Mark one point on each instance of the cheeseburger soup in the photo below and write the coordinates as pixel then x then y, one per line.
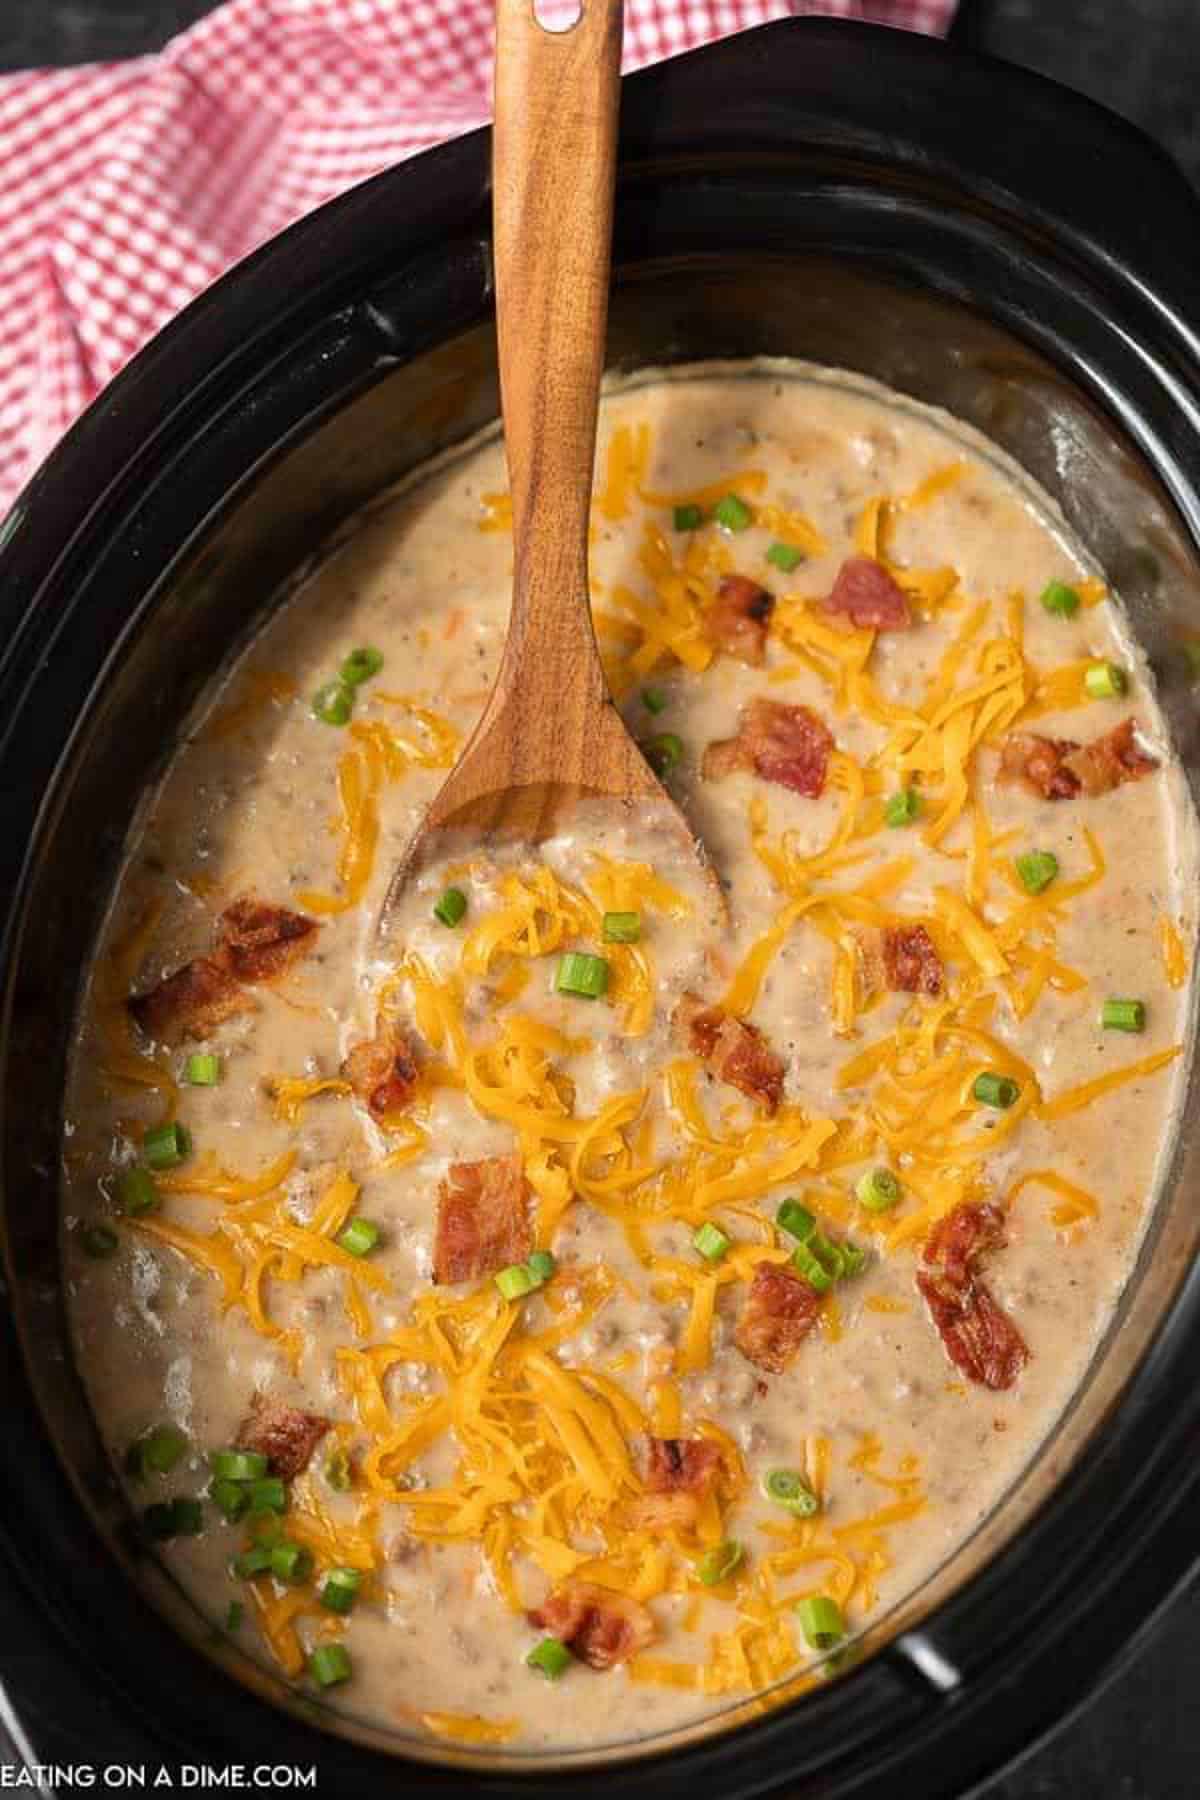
pixel 578 1293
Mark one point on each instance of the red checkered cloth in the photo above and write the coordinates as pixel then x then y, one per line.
pixel 125 188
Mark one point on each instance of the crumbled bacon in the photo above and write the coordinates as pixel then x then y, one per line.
pixel 1059 768
pixel 979 1336
pixel 779 1312
pixel 682 1465
pixel 602 1627
pixel 256 942
pixel 1110 760
pixel 735 1051
pixel 264 940
pixel 786 744
pixel 869 596
pixel 911 963
pixel 191 1002
pixel 382 1070
pixel 483 1219
pixel 284 1434
pixel 663 1512
pixel 737 620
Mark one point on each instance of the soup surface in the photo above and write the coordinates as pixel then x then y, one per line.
pixel 572 1273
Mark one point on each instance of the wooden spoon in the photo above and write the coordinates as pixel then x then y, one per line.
pixel 550 734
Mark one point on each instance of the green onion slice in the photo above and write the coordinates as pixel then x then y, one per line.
pixel 813 1270
pixel 333 703
pixel 878 1190
pixel 1036 869
pixel 451 907
pixel 291 1562
pixel 732 513
pixel 166 1146
pixel 903 808
pixel 785 557
pixel 252 1562
pixel 821 1622
pixel 268 1495
pixel 623 927
pixel 788 1488
pixel 718 1564
pixel 340 1590
pixel 688 518
pixel 550 1658
pixel 991 1089
pixel 329 1664
pixel 137 1192
pixel 238 1465
pixel 795 1219
pixel 1104 680
pixel 1123 1015
pixel 162 1448
pixel 98 1241
pixel 541 1266
pixel 582 974
pixel 359 1237
pixel 663 752
pixel 360 665
pixel 710 1241
pixel 230 1498
pixel 182 1517
pixel 235 1615
pixel 654 700
pixel 203 1070
pixel 1058 598
pixel 338 1472
pixel 515 1281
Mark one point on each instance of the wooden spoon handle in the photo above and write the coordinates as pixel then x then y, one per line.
pixel 554 154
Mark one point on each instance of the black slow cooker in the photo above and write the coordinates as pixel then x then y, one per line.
pixel 967 233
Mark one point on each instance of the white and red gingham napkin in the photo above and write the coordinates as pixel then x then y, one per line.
pixel 125 188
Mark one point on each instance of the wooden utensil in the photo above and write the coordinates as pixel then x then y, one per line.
pixel 550 734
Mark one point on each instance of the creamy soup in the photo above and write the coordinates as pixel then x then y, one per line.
pixel 572 1290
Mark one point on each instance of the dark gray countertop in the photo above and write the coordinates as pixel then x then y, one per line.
pixel 1139 1739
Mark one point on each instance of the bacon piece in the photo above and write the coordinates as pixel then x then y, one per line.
pixel 780 1311
pixel 911 963
pixel 868 596
pixel 191 1002
pixel 735 1051
pixel 737 620
pixel 979 1336
pixel 786 744
pixel 264 940
pixel 1109 761
pixel 1040 762
pixel 382 1070
pixel 284 1434
pixel 682 1465
pixel 602 1627
pixel 483 1219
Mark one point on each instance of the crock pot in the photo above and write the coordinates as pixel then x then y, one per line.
pixel 965 232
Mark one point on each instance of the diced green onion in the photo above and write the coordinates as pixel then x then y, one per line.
pixel 663 752
pixel 137 1192
pixel 623 927
pixel 252 1562
pixel 718 1564
pixel 821 1622
pixel 688 518
pixel 995 1090
pixel 1036 869
pixel 98 1241
pixel 710 1241
pixel 203 1070
pixel 182 1517
pixel 359 1237
pixel 831 1256
pixel 788 1488
pixel 235 1615
pixel 162 1448
pixel 582 974
pixel 338 1471
pixel 878 1190
pixel 165 1146
pixel 902 808
pixel 329 1664
pixel 1123 1015
pixel 785 557
pixel 1104 680
pixel 230 1498
pixel 1057 597
pixel 291 1562
pixel 854 1259
pixel 360 665
pixel 515 1281
pixel 268 1495
pixel 238 1465
pixel 550 1658
pixel 813 1271
pixel 654 700
pixel 451 908
pixel 541 1266
pixel 732 513
pixel 795 1219
pixel 333 703
pixel 340 1590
